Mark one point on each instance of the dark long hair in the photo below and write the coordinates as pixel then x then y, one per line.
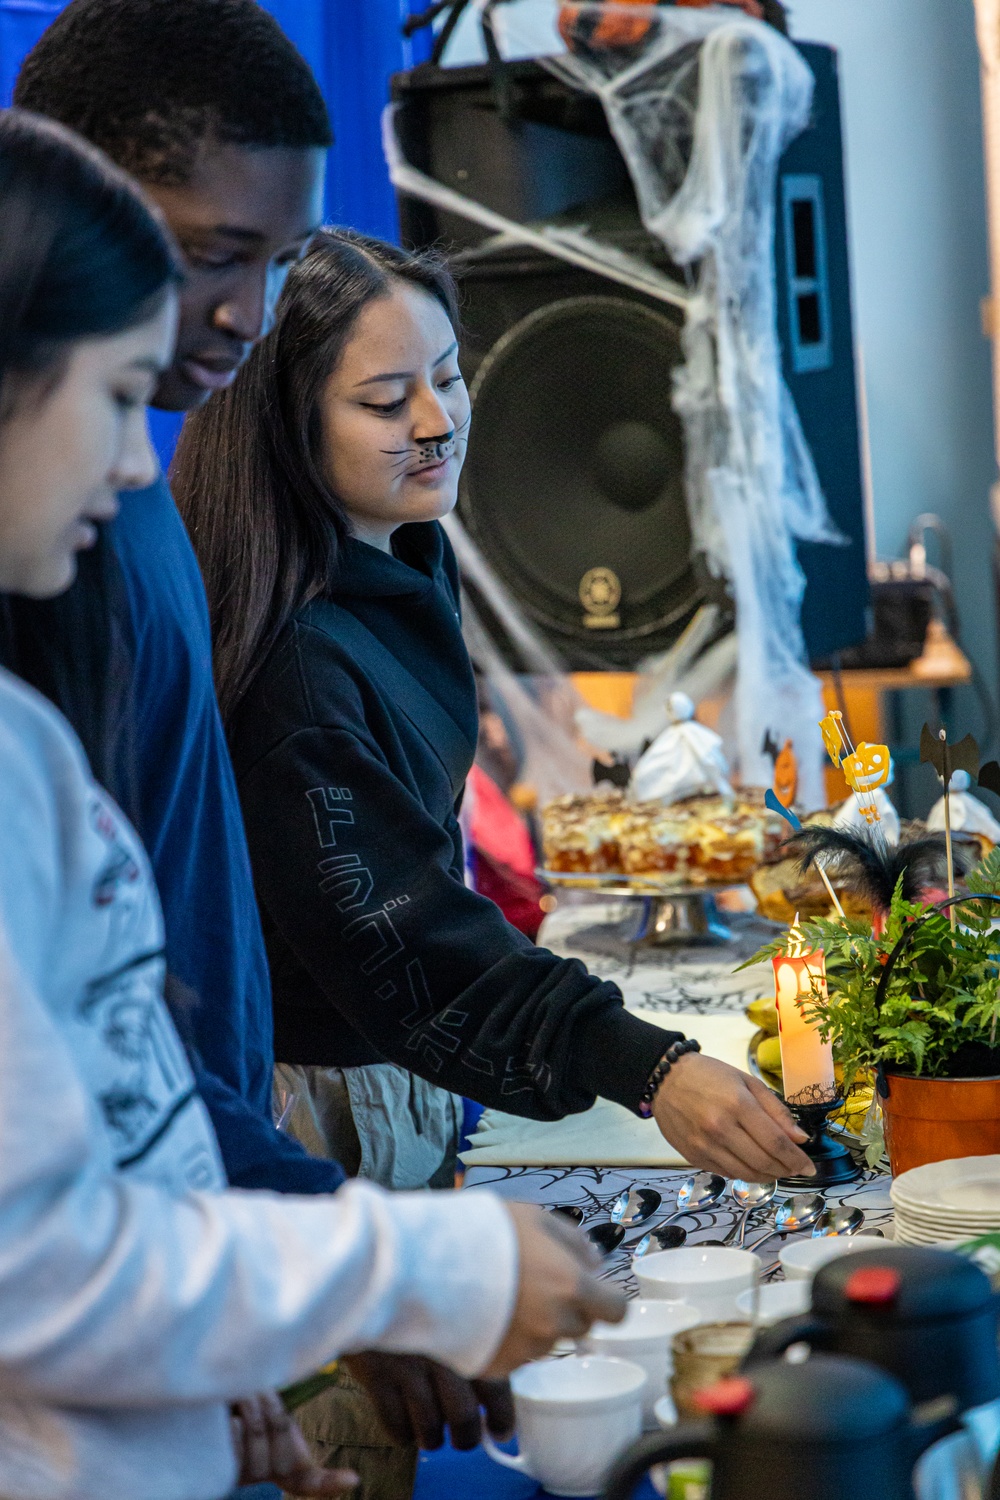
pixel 248 474
pixel 81 256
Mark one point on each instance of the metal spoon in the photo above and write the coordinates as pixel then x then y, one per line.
pixel 751 1195
pixel 702 1190
pixel 699 1191
pixel 569 1211
pixel 695 1193
pixel 795 1214
pixel 838 1219
pixel 666 1237
pixel 607 1237
pixel 634 1206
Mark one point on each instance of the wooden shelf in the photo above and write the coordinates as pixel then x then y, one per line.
pixel 942 665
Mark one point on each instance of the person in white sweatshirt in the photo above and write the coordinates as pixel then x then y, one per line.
pixel 139 1297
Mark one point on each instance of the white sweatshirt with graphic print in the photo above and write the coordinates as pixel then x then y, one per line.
pixel 138 1295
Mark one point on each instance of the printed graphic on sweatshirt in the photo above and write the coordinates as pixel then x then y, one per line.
pixel 328 810
pixel 373 938
pixel 132 1056
pixel 121 1032
pixel 120 892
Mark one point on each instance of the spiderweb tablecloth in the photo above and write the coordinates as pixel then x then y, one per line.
pixel 594 1189
pixel 692 979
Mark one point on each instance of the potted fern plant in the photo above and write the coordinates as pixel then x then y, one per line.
pixel 914 999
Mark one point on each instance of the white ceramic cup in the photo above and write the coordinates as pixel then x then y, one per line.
pixel 644 1337
pixel 574 1417
pixel 802 1258
pixel 709 1277
pixel 774 1300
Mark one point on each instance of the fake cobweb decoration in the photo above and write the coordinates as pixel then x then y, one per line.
pixel 702 106
pixel 702 110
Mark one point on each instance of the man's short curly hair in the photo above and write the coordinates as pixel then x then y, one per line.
pixel 150 81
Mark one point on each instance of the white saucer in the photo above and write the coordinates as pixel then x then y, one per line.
pixel 966 1187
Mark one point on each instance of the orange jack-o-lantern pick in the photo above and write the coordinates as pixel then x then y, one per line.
pixel 786 775
pixel 833 735
pixel 867 768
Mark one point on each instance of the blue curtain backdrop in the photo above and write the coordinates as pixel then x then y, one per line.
pixel 352 46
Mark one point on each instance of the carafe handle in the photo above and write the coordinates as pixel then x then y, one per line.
pixel 771 1343
pixel 694 1440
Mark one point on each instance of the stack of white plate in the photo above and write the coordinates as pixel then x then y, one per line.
pixel 947 1202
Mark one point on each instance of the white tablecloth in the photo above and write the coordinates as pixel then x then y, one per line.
pixel 690 989
pixel 607 1135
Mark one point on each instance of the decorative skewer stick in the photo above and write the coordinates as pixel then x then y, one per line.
pixel 946 773
pixel 771 801
pixel 830 891
pixel 946 758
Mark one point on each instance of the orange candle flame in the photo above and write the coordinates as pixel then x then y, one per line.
pixel 799 990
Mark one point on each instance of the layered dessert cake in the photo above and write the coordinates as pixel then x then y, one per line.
pixel 699 841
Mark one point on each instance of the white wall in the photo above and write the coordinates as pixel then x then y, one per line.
pixel 909 75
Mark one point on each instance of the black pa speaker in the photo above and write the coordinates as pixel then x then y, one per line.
pixel 574 482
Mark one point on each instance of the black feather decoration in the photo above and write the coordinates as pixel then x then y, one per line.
pixel 872 870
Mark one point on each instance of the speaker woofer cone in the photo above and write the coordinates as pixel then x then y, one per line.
pixel 575 472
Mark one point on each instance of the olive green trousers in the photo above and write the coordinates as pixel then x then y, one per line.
pixel 344 1432
pixel 393 1128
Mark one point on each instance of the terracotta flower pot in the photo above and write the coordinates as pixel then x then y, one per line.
pixel 934 1119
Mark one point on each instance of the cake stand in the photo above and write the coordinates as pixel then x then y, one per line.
pixel 666 914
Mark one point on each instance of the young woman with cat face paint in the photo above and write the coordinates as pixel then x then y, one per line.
pixel 313 490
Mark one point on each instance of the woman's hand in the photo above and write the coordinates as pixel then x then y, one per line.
pixel 271 1449
pixel 724 1121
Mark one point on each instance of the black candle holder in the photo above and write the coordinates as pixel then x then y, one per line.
pixel 834 1163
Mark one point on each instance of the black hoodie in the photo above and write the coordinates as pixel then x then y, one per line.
pixel 378 949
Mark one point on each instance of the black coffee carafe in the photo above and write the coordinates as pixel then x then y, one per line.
pixel 823 1428
pixel 927 1317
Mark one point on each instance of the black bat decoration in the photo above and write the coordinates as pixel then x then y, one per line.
pixel 618 773
pixel 937 752
pixel 770 746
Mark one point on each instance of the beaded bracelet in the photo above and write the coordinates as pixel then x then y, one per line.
pixel 675 1051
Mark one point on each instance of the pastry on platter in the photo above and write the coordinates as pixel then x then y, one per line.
pixel 581 833
pixel 699 841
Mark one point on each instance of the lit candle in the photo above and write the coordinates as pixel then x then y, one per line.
pixel 799 987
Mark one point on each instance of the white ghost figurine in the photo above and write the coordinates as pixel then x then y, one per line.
pixel 686 760
pixel 849 814
pixel 968 814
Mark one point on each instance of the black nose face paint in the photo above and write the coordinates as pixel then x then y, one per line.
pixel 435 450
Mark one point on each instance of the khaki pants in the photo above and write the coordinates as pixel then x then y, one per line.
pixel 344 1432
pixel 380 1122
pixel 395 1129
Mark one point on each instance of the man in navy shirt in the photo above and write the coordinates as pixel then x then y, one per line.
pixel 208 104
pixel 241 185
